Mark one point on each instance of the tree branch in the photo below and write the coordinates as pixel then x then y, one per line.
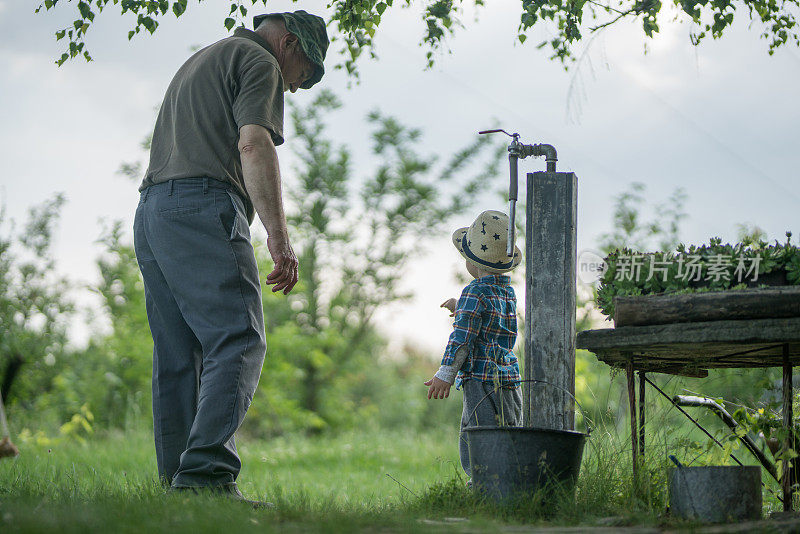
pixel 609 23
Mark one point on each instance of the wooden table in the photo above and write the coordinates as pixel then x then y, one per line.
pixel 690 349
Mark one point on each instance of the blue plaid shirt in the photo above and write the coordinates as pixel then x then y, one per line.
pixel 486 322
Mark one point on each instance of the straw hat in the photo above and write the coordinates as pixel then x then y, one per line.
pixel 483 244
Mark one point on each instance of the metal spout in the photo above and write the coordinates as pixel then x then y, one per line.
pixel 538 150
pixel 517 151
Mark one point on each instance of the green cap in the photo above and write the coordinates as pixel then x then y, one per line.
pixel 310 30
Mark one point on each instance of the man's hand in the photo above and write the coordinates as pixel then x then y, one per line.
pixel 450 304
pixel 262 179
pixel 284 275
pixel 438 389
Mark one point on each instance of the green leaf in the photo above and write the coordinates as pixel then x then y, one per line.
pixel 380 8
pixel 243 11
pixel 148 22
pixel 229 23
pixel 178 8
pixel 85 11
pixel 60 34
pixel 522 37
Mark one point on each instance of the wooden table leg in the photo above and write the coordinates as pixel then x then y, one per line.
pixel 632 406
pixel 788 424
pixel 641 414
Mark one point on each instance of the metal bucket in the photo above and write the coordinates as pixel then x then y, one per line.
pixel 715 493
pixel 508 461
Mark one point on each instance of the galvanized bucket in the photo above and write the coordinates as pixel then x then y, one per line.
pixel 509 461
pixel 715 493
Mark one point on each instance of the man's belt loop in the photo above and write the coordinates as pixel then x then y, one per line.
pixel 171 186
pixel 146 192
pixel 205 185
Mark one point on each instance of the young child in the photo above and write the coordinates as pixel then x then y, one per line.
pixel 479 356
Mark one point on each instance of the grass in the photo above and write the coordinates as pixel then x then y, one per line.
pixel 323 484
pixel 91 485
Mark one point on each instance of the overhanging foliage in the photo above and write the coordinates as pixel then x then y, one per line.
pixel 355 22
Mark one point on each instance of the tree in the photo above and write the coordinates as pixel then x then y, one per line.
pixel 632 232
pixel 354 240
pixel 35 308
pixel 595 388
pixel 117 377
pixel 354 236
pixel 357 21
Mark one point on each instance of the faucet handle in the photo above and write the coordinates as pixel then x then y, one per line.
pixel 499 130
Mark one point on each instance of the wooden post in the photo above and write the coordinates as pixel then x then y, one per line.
pixel 551 257
pixel 641 414
pixel 632 408
pixel 788 475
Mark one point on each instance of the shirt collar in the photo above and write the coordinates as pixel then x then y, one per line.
pixel 497 279
pixel 253 36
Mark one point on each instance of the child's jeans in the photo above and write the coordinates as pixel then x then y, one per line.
pixel 488 402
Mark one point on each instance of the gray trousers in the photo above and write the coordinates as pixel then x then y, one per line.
pixel 482 407
pixel 203 299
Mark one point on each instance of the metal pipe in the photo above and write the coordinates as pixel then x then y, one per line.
pixel 550 157
pixel 715 440
pixel 541 149
pixel 517 150
pixel 692 419
pixel 513 159
pixel 689 400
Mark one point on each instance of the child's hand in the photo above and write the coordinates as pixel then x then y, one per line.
pixel 450 304
pixel 439 389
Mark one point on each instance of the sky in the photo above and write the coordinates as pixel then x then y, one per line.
pixel 719 120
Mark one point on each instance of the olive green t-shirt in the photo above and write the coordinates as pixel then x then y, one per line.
pixel 231 83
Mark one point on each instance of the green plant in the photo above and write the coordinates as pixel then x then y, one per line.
pixel 767 421
pixel 35 306
pixel 353 24
pixel 79 427
pixel 712 267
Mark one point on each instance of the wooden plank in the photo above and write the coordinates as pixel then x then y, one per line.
pixel 551 258
pixel 641 414
pixel 712 306
pixel 789 476
pixel 632 410
pixel 687 369
pixel 756 331
pixel 706 356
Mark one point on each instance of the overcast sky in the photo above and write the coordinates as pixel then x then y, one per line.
pixel 720 121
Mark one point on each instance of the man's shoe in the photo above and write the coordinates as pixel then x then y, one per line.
pixel 258 505
pixel 229 491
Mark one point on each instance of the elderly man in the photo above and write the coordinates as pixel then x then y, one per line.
pixel 213 166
